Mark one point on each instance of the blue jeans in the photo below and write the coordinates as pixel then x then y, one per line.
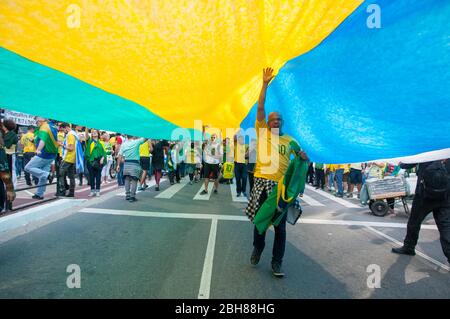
pixel 120 180
pixel 39 168
pixel 240 173
pixel 19 165
pixel 279 243
pixel 331 180
pixel 340 180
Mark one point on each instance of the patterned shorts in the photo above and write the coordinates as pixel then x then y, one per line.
pixel 257 196
pixel 261 190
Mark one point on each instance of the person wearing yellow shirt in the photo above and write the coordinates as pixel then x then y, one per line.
pixel 240 165
pixel 144 153
pixel 68 160
pixel 340 180
pixel 273 157
pixel 193 161
pixel 331 168
pixel 355 178
pixel 29 150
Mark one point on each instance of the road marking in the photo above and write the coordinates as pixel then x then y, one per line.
pixel 206 196
pixel 244 218
pixel 151 184
pixel 172 190
pixel 205 283
pixel 333 198
pixel 432 260
pixel 40 208
pixel 82 189
pixel 241 199
pixel 358 223
pixel 310 201
pixel 89 210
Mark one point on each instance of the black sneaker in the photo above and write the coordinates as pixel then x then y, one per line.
pixel 276 269
pixel 254 259
pixel 157 188
pixel 215 191
pixel 70 195
pixel 37 197
pixel 60 194
pixel 128 197
pixel 238 195
pixel 132 199
pixel 204 192
pixel 404 251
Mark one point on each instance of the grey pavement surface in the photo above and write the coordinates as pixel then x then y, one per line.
pixel 170 248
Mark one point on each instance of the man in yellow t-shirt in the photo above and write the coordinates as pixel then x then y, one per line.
pixel 144 153
pixel 29 150
pixel 340 179
pixel 68 161
pixel 331 172
pixel 274 150
pixel 240 165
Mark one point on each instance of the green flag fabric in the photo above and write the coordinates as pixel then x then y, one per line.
pixel 48 134
pixel 282 196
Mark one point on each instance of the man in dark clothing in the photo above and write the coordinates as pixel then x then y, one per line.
pixel 159 148
pixel 421 207
pixel 320 175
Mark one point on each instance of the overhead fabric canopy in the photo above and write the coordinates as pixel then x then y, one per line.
pixel 366 94
pixel 145 68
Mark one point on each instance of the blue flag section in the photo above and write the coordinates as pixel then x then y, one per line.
pixel 367 93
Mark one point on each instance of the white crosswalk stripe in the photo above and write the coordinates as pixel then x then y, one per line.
pixel 241 199
pixel 151 184
pixel 338 200
pixel 198 196
pixel 310 201
pixel 172 190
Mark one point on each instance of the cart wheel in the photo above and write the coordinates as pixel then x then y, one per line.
pixel 379 208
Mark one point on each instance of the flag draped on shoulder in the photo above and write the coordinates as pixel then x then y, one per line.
pixel 49 134
pixel 79 153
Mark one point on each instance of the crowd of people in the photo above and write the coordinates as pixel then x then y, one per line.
pixel 64 152
pixel 67 151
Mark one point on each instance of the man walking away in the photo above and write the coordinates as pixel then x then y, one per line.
pixel 432 195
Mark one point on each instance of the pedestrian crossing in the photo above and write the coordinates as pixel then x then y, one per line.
pixel 171 191
pixel 207 196
pixel 312 197
pixel 184 191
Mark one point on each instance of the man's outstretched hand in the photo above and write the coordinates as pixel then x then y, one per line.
pixel 268 75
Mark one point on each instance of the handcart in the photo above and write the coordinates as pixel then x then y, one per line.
pixel 380 190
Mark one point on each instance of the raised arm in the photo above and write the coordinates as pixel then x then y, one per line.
pixel 267 77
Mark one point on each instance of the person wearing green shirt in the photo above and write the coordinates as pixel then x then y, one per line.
pixel 95 158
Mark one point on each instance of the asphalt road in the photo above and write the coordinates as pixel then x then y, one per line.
pixel 174 244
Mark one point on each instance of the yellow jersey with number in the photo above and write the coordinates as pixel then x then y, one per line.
pixel 273 152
